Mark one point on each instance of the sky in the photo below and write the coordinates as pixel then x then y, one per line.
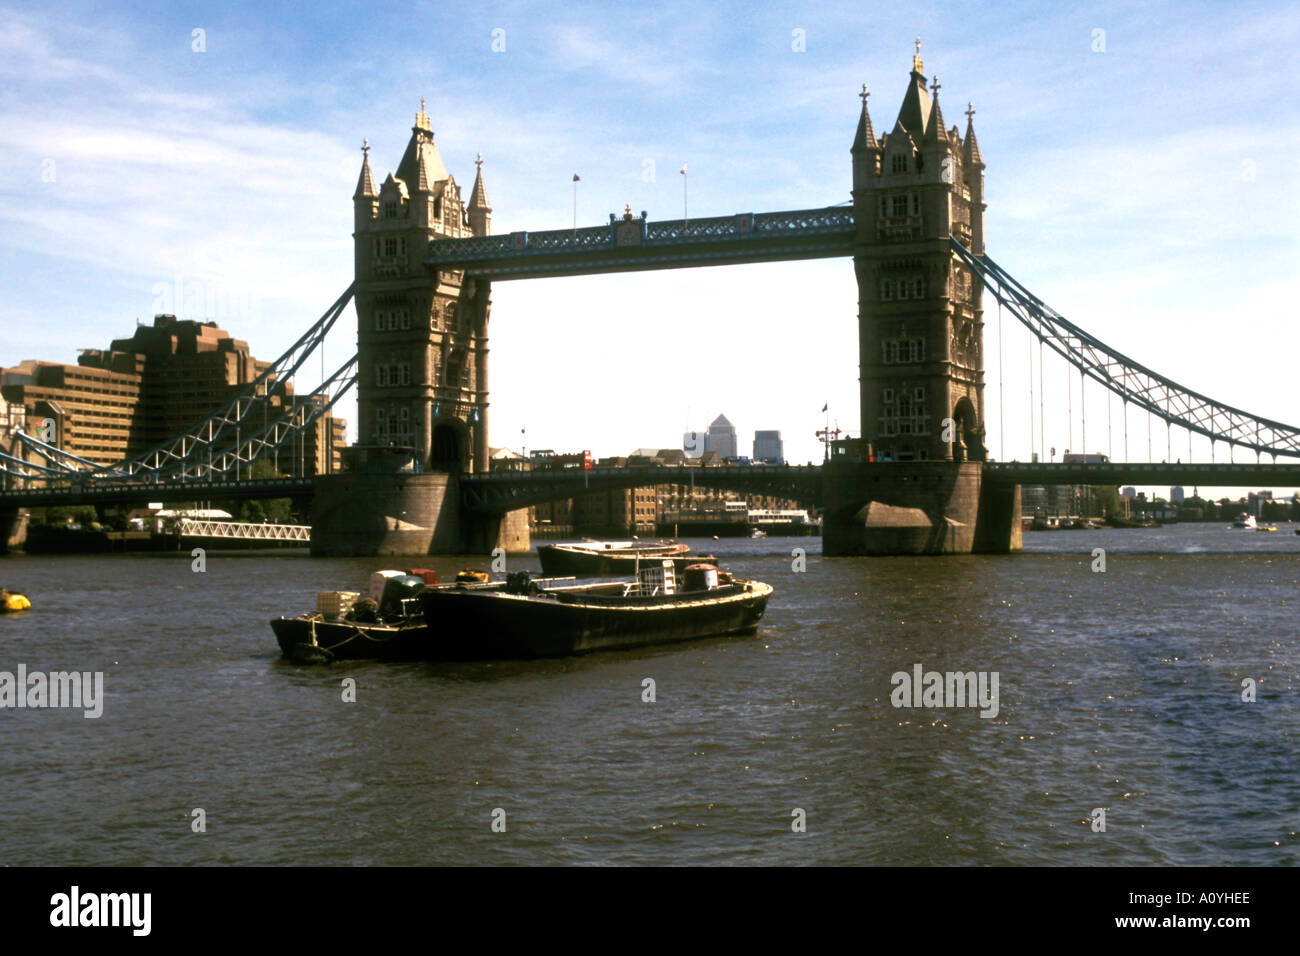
pixel 1139 179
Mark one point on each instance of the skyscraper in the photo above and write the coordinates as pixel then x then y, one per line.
pixel 768 447
pixel 721 437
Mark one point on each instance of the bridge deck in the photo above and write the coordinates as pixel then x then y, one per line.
pixel 634 245
pixel 504 491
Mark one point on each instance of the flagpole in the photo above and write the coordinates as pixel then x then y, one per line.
pixel 827 443
pixel 685 180
pixel 575 204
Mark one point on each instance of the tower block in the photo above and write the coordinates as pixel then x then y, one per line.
pixel 916 487
pixel 422 370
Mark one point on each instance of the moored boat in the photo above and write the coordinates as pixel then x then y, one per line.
pixel 1245 521
pixel 596 558
pixel 524 619
pixel 387 625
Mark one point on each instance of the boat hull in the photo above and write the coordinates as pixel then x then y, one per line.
pixel 486 625
pixel 311 639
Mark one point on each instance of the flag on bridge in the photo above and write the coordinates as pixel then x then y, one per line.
pixel 826 406
pixel 683 169
pixel 576 177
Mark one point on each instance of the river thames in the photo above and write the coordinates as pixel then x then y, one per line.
pixel 1118 690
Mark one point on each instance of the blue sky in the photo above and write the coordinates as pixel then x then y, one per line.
pixel 1145 190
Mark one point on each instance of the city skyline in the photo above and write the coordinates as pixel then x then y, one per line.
pixel 141 166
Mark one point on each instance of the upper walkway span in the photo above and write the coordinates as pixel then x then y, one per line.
pixel 630 245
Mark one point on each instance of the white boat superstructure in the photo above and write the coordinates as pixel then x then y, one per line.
pixel 1246 521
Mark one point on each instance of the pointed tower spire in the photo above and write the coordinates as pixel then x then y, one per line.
pixel 365 182
pixel 934 129
pixel 914 115
pixel 866 135
pixel 972 157
pixel 480 209
pixel 478 195
pixel 421 167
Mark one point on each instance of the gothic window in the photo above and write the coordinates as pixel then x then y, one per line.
pixel 884 206
pixel 433 318
pixel 401 247
pixel 450 315
pixel 437 207
pixel 901 291
pixel 916 204
pixel 406 373
pixel 403 413
pixel 453 373
pixel 390 247
pixel 918 288
pixel 900 207
pixel 390 210
pixel 406 319
pixel 381 375
pixel 887 395
pixel 886 290
pixel 891 352
pixel 379 321
pixel 899 163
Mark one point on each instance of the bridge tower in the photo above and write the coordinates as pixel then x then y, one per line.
pixel 920 345
pixel 919 312
pixel 422 373
pixel 422 339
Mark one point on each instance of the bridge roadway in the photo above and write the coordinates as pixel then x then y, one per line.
pixel 1221 474
pixel 504 491
pixel 627 245
pixel 133 491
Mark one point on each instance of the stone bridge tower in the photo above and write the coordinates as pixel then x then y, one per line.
pixel 920 319
pixel 422 339
pixel 422 375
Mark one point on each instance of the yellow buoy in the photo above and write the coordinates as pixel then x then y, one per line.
pixel 16 602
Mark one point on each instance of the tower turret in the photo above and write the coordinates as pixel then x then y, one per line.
pixel 365 200
pixel 480 210
pixel 866 148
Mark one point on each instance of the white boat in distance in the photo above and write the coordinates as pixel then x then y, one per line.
pixel 1246 521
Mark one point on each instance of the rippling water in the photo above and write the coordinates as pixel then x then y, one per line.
pixel 1118 690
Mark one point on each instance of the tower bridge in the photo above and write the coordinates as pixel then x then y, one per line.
pixel 917 481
